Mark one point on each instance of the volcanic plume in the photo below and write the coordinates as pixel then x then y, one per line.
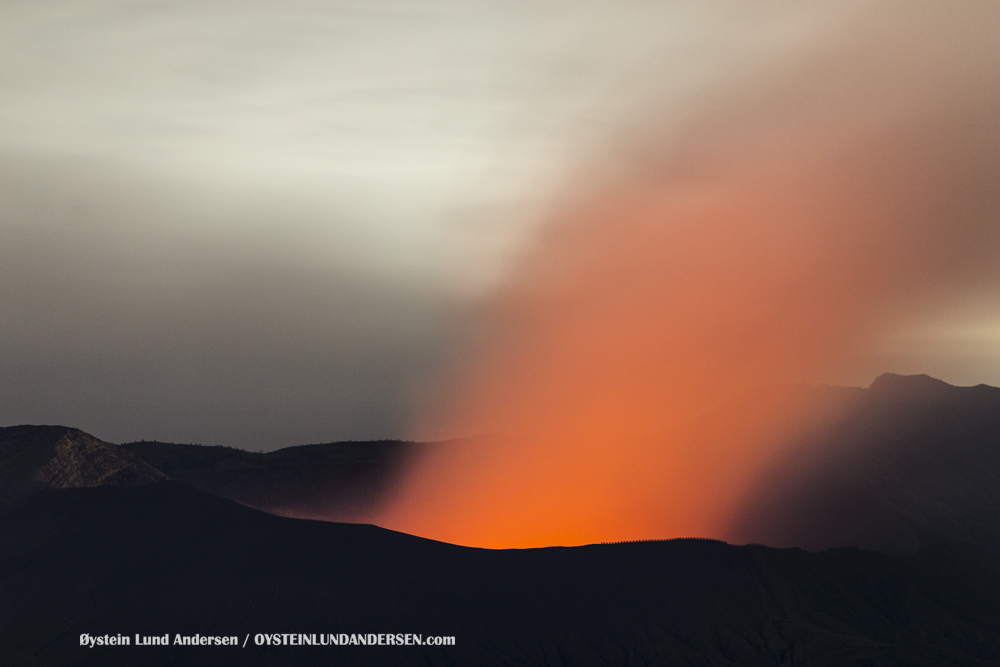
pixel 640 366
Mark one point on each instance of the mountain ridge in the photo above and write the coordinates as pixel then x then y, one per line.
pixel 33 458
pixel 338 481
pixel 909 460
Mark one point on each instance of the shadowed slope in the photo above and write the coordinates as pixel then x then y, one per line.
pixel 910 460
pixel 338 481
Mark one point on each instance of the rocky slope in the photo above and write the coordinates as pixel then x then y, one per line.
pixel 33 458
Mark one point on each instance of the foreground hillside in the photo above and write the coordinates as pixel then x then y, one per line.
pixel 166 558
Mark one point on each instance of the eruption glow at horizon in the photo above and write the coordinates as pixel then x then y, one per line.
pixel 782 242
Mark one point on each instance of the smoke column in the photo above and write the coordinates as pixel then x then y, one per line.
pixel 631 375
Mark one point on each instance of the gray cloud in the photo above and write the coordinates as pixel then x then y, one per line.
pixel 408 116
pixel 117 322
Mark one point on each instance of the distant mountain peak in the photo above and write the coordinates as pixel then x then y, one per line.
pixel 909 383
pixel 33 458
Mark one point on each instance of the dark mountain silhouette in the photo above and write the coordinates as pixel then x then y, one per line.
pixel 906 462
pixel 339 481
pixel 166 558
pixel 909 460
pixel 33 458
pixel 909 466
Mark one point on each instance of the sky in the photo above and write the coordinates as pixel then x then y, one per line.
pixel 266 224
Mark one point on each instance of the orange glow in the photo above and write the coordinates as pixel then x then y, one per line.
pixel 622 383
pixel 632 369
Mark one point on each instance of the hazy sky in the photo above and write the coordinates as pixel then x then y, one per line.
pixel 262 224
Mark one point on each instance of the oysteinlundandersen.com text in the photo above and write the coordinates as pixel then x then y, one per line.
pixel 270 639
